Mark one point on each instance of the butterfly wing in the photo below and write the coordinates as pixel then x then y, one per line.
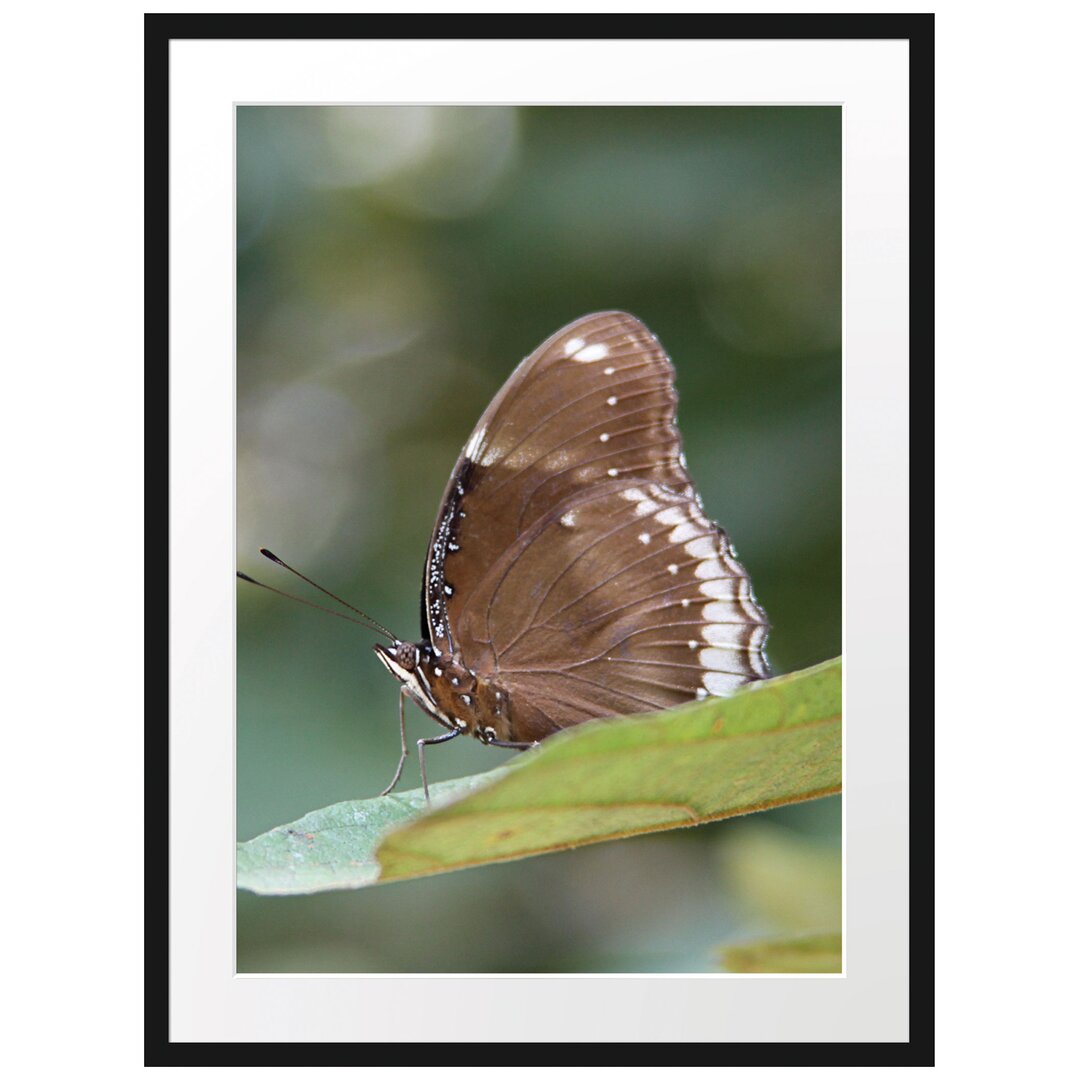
pixel 571 557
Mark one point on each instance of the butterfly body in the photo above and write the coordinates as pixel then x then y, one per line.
pixel 449 692
pixel 572 573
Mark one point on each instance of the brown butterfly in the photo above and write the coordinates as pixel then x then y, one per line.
pixel 572 573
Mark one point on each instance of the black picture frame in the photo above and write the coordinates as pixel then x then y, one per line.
pixel 160 30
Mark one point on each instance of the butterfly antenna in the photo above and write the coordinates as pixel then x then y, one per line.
pixel 372 623
pixel 300 600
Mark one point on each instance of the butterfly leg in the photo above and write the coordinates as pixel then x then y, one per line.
pixel 404 746
pixel 511 745
pixel 421 743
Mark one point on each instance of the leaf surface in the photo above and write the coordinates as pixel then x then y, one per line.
pixel 811 954
pixel 772 743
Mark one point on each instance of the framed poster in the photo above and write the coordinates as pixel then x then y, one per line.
pixel 366 231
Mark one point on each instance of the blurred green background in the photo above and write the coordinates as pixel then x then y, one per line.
pixel 393 265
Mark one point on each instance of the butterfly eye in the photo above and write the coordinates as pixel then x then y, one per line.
pixel 406 655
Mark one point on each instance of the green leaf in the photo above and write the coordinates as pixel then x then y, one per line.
pixel 772 743
pixel 335 848
pixel 814 954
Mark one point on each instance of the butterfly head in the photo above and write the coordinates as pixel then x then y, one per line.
pixel 400 659
pixel 416 667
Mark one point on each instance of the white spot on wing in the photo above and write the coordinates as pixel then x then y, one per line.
pixel 733 568
pixel 673 568
pixel 718 659
pixel 724 636
pixel 613 472
pixel 573 345
pixel 721 683
pixel 609 371
pixel 605 437
pixel 589 354
pixel 472 447
pixel 720 589
pixel 671 516
pixel 567 519
pixel 612 400
pixel 644 537
pixel 746 599
pixel 716 612
pixel 708 568
pixel 685 531
pixel 702 548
